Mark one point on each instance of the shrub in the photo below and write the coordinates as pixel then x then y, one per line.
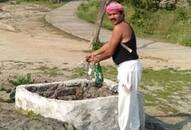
pixel 96 45
pixel 3 1
pixel 90 9
pixel 156 23
pixel 19 80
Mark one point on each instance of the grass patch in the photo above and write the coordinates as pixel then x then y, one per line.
pixel 50 71
pixel 88 10
pixel 108 71
pixel 32 115
pixel 168 80
pixel 79 72
pixel 163 25
pixel 48 3
pixel 19 80
pixel 167 108
pixel 150 100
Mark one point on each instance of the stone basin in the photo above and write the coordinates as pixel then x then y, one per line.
pixel 98 113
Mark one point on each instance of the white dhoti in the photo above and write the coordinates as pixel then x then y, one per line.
pixel 130 105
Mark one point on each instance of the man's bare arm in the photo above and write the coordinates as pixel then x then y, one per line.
pixel 111 45
pixel 101 50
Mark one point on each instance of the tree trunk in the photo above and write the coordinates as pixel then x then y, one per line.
pixel 99 20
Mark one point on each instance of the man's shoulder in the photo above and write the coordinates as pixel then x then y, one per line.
pixel 122 26
pixel 118 27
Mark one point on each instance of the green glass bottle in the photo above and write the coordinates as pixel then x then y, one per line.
pixel 98 75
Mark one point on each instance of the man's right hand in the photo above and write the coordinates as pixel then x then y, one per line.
pixel 90 57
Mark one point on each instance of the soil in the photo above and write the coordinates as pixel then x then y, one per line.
pixel 35 46
pixel 14 120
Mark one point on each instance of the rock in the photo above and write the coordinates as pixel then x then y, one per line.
pixel 13 2
pixel 7 27
pixel 4 96
pixel 167 4
pixel 171 4
pixel 187 127
pixel 4 15
pixel 183 3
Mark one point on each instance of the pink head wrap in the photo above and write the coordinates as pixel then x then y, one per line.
pixel 114 6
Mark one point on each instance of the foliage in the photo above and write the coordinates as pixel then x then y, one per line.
pixel 79 72
pixel 91 9
pixel 173 26
pixel 19 80
pixel 32 115
pixel 3 1
pixel 96 45
pixel 151 5
pixel 49 3
pixel 22 79
pixel 141 19
pixel 155 23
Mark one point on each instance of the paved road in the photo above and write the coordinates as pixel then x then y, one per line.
pixel 153 52
pixel 65 19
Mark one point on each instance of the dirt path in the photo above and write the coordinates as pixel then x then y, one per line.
pixel 33 44
pixel 36 41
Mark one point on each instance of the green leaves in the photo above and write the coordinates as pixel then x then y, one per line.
pixel 21 79
pixel 96 45
pixel 150 20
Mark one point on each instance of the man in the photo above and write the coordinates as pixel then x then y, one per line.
pixel 122 48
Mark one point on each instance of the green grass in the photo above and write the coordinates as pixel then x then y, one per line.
pixel 50 71
pixel 108 71
pixel 167 83
pixel 90 9
pixel 78 72
pixel 32 115
pixel 158 86
pixel 172 26
pixel 21 79
pixel 49 4
pixel 163 25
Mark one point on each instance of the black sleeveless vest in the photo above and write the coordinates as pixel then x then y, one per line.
pixel 121 54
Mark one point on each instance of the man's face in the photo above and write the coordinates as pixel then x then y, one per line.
pixel 115 17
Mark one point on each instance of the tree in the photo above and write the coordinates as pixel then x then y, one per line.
pixel 143 4
pixel 95 42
